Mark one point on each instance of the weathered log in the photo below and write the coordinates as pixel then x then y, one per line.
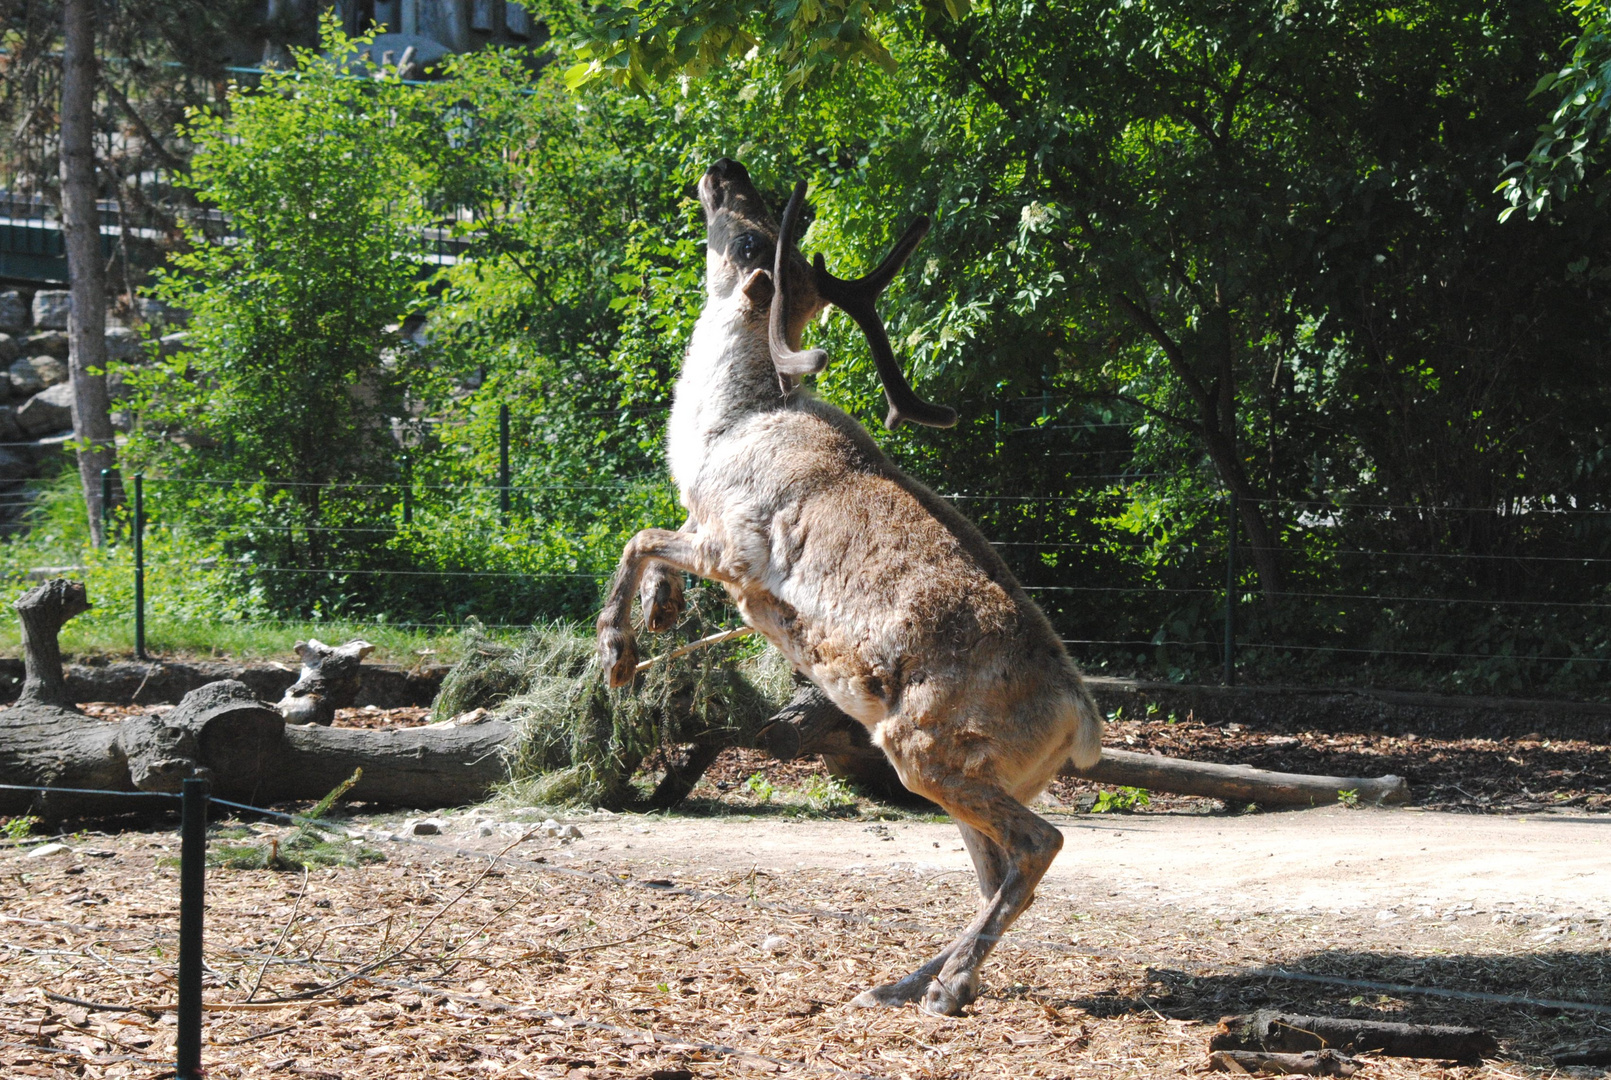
pixel 43 610
pixel 1238 783
pixel 251 755
pixel 328 681
pixel 1256 1062
pixel 811 724
pixel 1588 1053
pixel 1279 1032
pixel 220 731
pixel 43 740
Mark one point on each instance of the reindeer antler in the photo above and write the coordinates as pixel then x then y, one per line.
pixel 855 298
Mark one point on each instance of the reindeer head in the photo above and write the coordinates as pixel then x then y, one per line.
pixel 745 249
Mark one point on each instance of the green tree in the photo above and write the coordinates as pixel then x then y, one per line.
pixel 1569 152
pixel 294 364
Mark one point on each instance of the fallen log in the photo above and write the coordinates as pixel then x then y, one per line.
pixel 1238 783
pixel 1257 1062
pixel 1276 1032
pixel 43 739
pixel 812 724
pixel 1588 1053
pixel 222 732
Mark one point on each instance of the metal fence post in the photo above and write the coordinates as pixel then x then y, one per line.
pixel 106 505
pixel 192 902
pixel 408 491
pixel 503 462
pixel 1230 594
pixel 139 567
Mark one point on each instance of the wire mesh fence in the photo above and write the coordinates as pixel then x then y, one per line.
pixel 1529 617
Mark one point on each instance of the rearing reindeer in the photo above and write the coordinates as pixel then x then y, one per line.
pixel 874 587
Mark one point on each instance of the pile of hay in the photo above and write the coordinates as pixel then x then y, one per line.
pixel 580 743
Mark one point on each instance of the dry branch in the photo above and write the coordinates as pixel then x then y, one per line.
pixel 1277 1032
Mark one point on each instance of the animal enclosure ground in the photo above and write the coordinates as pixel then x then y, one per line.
pixel 656 947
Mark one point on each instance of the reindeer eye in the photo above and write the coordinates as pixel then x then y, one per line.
pixel 749 248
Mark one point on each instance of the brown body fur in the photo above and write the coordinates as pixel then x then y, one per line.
pixel 872 586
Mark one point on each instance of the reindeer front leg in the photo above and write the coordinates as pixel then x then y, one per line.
pixel 690 553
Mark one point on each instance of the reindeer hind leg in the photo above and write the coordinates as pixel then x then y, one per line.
pixel 1027 844
pixel 990 862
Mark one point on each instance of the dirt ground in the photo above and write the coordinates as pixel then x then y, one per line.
pixel 727 943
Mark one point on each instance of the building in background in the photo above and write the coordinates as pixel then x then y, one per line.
pixel 431 28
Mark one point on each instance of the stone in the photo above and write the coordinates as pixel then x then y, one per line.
pixel 9 350
pixel 23 379
pixel 47 342
pixel 570 832
pixel 50 369
pixel 774 943
pixel 48 411
pixel 45 850
pixel 486 828
pixel 157 313
pixel 123 344
pixel 14 315
pixel 423 827
pixel 51 307
pixel 10 430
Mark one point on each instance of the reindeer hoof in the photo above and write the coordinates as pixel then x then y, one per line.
pixel 663 609
pixel 892 995
pixel 619 656
pixel 942 1000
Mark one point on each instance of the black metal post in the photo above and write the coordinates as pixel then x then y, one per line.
pixel 139 567
pixel 106 504
pixel 408 491
pixel 192 901
pixel 1230 594
pixel 503 462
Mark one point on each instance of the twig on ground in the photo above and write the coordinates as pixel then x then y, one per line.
pixel 295 907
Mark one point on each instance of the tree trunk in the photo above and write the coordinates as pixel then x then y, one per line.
pixel 86 271
pixel 42 611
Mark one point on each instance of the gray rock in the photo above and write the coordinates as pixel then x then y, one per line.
pixel 24 379
pixel 50 369
pixel 10 430
pixel 51 307
pixel 12 466
pixel 14 317
pixel 159 314
pixel 44 851
pixel 123 344
pixel 48 411
pixel 423 827
pixel 8 348
pixel 46 343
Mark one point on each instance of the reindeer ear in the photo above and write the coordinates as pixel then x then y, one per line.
pixel 758 287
